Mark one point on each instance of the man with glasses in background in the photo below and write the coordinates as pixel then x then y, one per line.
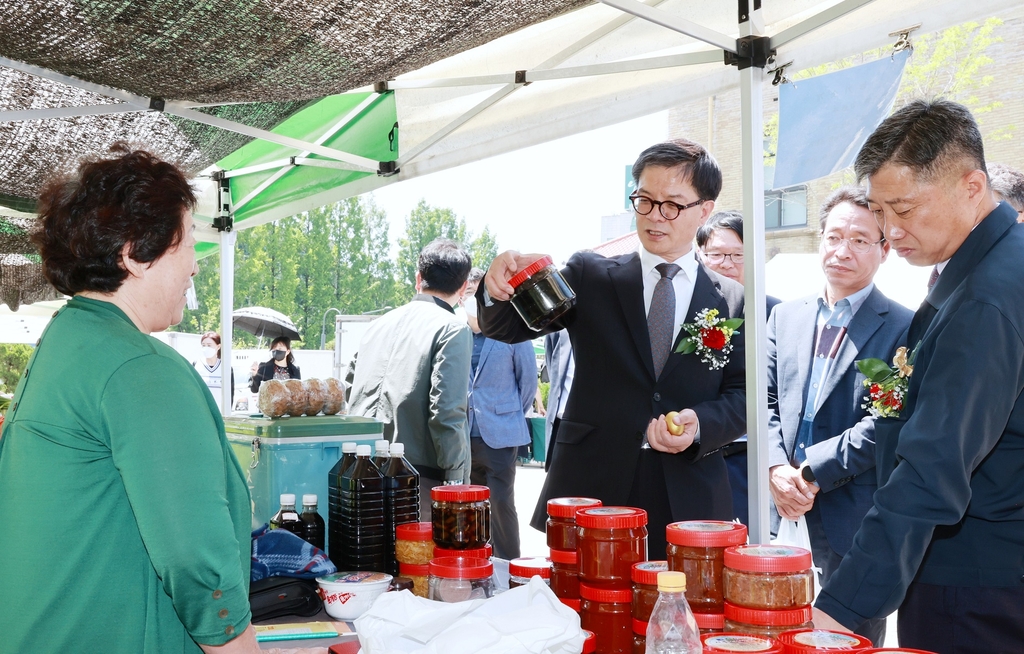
pixel 612 441
pixel 821 443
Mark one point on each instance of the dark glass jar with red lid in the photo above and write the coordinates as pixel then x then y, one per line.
pixel 541 295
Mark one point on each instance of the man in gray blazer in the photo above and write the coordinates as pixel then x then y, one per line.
pixel 821 440
pixel 412 372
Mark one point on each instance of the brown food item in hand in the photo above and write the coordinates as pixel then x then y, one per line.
pixel 297 405
pixel 335 397
pixel 316 394
pixel 274 398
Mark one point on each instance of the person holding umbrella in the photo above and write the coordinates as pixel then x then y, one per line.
pixel 280 366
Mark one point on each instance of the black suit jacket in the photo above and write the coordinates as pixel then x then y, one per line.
pixel 614 395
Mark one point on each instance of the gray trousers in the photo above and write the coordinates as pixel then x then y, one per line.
pixel 496 469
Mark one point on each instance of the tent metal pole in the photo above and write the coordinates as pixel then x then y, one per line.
pixel 818 20
pixel 752 130
pixel 227 302
pixel 674 23
pixel 68 112
pixel 258 168
pixel 67 80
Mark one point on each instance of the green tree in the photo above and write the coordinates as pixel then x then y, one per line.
pixel 483 249
pixel 13 360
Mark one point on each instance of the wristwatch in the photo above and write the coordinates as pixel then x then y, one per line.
pixel 807 474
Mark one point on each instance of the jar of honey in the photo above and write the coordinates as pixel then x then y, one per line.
pixel 710 623
pixel 765 623
pixel 639 637
pixel 729 643
pixel 768 577
pixel 608 613
pixel 822 641
pixel 697 549
pixel 565 576
pixel 522 570
pixel 541 295
pixel 561 524
pixel 484 552
pixel 461 516
pixel 419 575
pixel 645 587
pixel 414 543
pixel 455 579
pixel 611 540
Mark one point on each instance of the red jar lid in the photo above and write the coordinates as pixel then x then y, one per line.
pixel 564 556
pixel 414 531
pixel 529 566
pixel 529 271
pixel 785 618
pixel 821 641
pixel 590 644
pixel 573 604
pixel 732 642
pixel 460 493
pixel 639 627
pixel 767 558
pixel 894 650
pixel 414 569
pixel 566 507
pixel 452 567
pixel 646 572
pixel 710 620
pixel 706 533
pixel 484 552
pixel 615 596
pixel 611 517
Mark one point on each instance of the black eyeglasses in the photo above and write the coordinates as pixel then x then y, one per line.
pixel 643 205
pixel 719 257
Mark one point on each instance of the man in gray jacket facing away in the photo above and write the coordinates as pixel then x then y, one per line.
pixel 412 372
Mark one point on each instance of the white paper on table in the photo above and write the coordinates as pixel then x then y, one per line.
pixel 525 620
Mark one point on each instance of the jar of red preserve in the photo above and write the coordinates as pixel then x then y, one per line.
pixel 561 524
pixel 645 587
pixel 697 549
pixel 611 540
pixel 768 577
pixel 565 576
pixel 766 623
pixel 639 637
pixel 710 623
pixel 522 570
pixel 608 613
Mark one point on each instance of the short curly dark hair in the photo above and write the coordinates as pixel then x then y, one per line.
pixel 86 219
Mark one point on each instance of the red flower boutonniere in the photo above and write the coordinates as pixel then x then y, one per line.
pixel 887 385
pixel 710 338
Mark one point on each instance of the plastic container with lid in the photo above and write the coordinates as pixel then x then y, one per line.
pixel 608 613
pixel 710 623
pixel 697 549
pixel 484 552
pixel 589 642
pixel 895 650
pixel 645 587
pixel 611 540
pixel 731 643
pixel 639 637
pixel 766 623
pixel 455 579
pixel 565 577
pixel 461 515
pixel 523 569
pixel 821 641
pixel 573 604
pixel 768 577
pixel 414 543
pixel 420 577
pixel 561 524
pixel 540 294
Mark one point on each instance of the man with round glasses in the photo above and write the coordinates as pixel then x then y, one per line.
pixel 612 442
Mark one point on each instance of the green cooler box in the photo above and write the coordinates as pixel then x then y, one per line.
pixel 293 455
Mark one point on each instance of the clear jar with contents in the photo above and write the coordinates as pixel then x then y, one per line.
pixel 611 540
pixel 561 525
pixel 765 623
pixel 822 641
pixel 639 637
pixel 728 643
pixel 645 587
pixel 459 579
pixel 484 552
pixel 710 623
pixel 414 543
pixel 540 294
pixel 461 516
pixel 608 613
pixel 565 577
pixel 419 575
pixel 522 570
pixel 768 577
pixel 697 549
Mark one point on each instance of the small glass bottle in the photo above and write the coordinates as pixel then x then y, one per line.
pixel 541 295
pixel 672 627
pixel 287 517
pixel 313 526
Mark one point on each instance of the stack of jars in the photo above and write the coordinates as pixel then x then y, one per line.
pixel 461 525
pixel 610 539
pixel 414 549
pixel 697 549
pixel 645 594
pixel 767 589
pixel 561 535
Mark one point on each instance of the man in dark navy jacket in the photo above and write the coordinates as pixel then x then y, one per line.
pixel 944 542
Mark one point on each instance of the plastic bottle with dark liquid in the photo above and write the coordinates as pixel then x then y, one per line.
pixel 348 457
pixel 313 527
pixel 381 454
pixel 355 521
pixel 401 496
pixel 287 517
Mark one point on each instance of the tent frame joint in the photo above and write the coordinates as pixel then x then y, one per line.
pixel 388 169
pixel 521 78
pixel 751 52
pixel 223 221
pixel 156 104
pixel 380 87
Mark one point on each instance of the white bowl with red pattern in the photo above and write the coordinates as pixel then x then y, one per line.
pixel 347 595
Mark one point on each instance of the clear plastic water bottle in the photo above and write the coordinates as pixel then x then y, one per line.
pixel 672 629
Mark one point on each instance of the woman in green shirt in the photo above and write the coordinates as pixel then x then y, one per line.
pixel 125 515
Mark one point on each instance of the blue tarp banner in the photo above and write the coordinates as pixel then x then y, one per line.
pixel 824 120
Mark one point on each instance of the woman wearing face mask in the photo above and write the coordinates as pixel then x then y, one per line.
pixel 281 366
pixel 209 366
